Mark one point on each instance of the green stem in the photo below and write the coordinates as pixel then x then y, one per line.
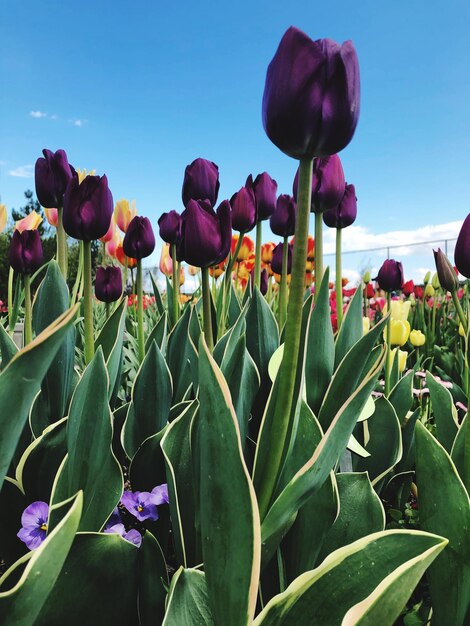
pixel 28 328
pixel 206 308
pixel 103 254
pixel 388 358
pixel 460 313
pixel 318 251
pixel 339 281
pixel 267 475
pixel 11 276
pixel 259 235
pixel 140 312
pixel 88 302
pixel 78 285
pixel 282 314
pixel 61 244
pixel 227 283
pixel 176 282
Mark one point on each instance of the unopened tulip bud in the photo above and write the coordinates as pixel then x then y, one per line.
pixel 108 283
pixel 139 240
pixel 52 174
pixel 366 278
pixel 25 254
pixel 390 276
pixel 435 281
pixel 365 325
pixel 461 330
pixel 446 273
pixel 417 338
pixel 462 249
pixel 427 277
pixel 399 332
pixel 429 291
pixel 52 216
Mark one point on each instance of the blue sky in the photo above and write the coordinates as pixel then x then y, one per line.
pixel 137 90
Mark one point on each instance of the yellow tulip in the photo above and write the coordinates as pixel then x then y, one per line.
pixel 3 217
pixel 417 338
pixel 365 325
pixel 124 214
pixel 82 174
pixel 166 262
pixel 30 222
pixel 429 291
pixel 461 330
pixel 399 332
pixel 399 309
pixel 427 278
pixel 402 356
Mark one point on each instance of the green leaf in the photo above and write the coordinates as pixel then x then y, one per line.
pixel 90 464
pixel 360 512
pixel 351 328
pixel 158 334
pixel 180 351
pixel 52 300
pixel 111 339
pixel 147 469
pixel 151 400
pixel 444 412
pixel 8 347
pixel 158 298
pixel 12 505
pixel 458 447
pixel 22 604
pixel 444 507
pixel 229 512
pixel 188 600
pixel 152 577
pixel 401 396
pixel 349 575
pixel 262 335
pixel 20 381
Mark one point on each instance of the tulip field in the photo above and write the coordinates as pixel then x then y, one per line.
pixel 272 447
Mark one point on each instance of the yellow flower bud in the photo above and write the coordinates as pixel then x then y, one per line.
pixel 435 281
pixel 429 291
pixel 366 278
pixel 365 325
pixel 399 309
pixel 417 338
pixel 399 332
pixel 427 278
pixel 124 214
pixel 402 356
pixel 461 330
pixel 3 217
pixel 82 174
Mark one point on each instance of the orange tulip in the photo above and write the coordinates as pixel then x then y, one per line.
pixel 166 262
pixel 30 222
pixel 247 247
pixel 124 214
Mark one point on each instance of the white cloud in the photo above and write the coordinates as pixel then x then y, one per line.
pixel 78 122
pixel 53 117
pixel 23 171
pixel 37 114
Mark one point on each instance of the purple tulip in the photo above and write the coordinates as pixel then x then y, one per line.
pixel 206 236
pixel 276 263
pixel 462 249
pixel 34 524
pixel 243 205
pixel 108 283
pixel 88 207
pixel 170 227
pixel 52 173
pixel 132 535
pixel 328 183
pixel 201 182
pixel 311 95
pixel 345 213
pixel 265 190
pixel 25 254
pixel 140 504
pixel 390 276
pixel 263 286
pixel 445 272
pixel 282 221
pixel 139 240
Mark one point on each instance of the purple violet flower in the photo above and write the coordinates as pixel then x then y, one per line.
pixel 140 504
pixel 160 494
pixel 133 535
pixel 34 524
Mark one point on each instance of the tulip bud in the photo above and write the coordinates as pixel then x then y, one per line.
pixel 408 288
pixel 390 276
pixel 246 249
pixel 311 96
pixel 166 262
pixel 345 213
pixel 417 338
pixel 435 281
pixel 26 254
pixel 461 330
pixel 462 249
pixel 402 356
pixel 282 221
pixel 243 205
pixel 427 277
pixel 328 184
pixel 201 182
pixel 399 310
pixel 52 174
pixel 445 271
pixel 263 287
pixel 108 283
pixel 399 332
pixel 429 291
pixel 366 278
pixel 365 325
pixel 88 208
pixel 3 217
pixel 170 227
pixel 52 216
pixel 265 190
pixel 276 263
pixel 139 240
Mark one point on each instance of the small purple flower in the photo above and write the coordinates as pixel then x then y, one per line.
pixel 34 524
pixel 160 494
pixel 133 535
pixel 140 504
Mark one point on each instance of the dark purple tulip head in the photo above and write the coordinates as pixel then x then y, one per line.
pixel 201 182
pixel 345 213
pixel 390 276
pixel 462 249
pixel 34 524
pixel 311 96
pixel 282 221
pixel 108 283
pixel 206 236
pixel 139 240
pixel 88 207
pixel 170 227
pixel 263 286
pixel 243 205
pixel 26 254
pixel 445 272
pixel 276 263
pixel 328 183
pixel 265 190
pixel 52 173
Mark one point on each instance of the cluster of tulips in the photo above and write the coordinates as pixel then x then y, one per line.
pixel 310 440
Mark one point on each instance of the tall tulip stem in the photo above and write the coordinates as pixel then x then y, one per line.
pixel 28 328
pixel 460 312
pixel 283 286
pixel 61 244
pixel 88 302
pixel 266 476
pixel 206 308
pixel 259 236
pixel 388 359
pixel 318 250
pixel 176 283
pixel 339 280
pixel 11 276
pixel 140 312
